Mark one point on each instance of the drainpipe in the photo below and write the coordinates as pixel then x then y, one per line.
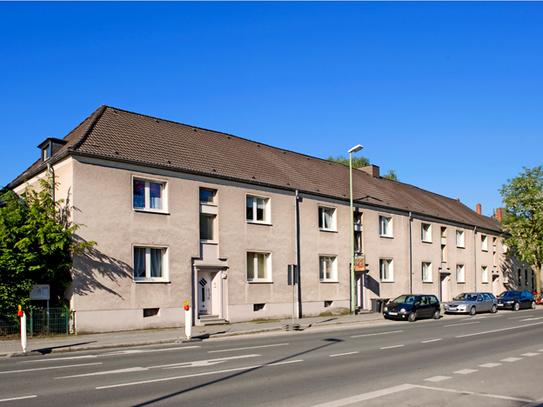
pixel 297 251
pixel 410 255
pixel 475 255
pixel 51 171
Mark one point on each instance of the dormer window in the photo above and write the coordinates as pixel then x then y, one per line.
pixel 46 152
pixel 49 147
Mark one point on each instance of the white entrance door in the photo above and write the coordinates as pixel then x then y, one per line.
pixel 359 290
pixel 204 293
pixel 445 287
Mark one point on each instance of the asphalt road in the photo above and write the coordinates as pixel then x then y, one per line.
pixel 485 360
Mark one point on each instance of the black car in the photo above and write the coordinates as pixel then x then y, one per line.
pixel 516 300
pixel 412 307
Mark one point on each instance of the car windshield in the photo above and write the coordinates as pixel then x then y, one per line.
pixel 466 297
pixel 404 299
pixel 509 294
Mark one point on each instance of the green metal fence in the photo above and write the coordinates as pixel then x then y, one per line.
pixel 38 321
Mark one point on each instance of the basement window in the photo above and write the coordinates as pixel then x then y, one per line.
pixel 258 307
pixel 150 312
pixel 328 304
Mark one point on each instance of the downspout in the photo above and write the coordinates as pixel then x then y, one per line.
pixel 410 255
pixel 51 172
pixel 297 251
pixel 475 255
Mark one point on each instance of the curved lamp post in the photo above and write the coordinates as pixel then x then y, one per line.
pixel 355 149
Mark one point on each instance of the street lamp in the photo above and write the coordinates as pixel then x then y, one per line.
pixel 355 149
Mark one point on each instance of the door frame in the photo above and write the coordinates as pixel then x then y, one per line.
pixel 217 277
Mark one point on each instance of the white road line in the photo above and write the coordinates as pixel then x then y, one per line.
pixel 530 354
pixel 165 379
pixel 437 378
pixel 463 323
pixel 391 347
pixel 465 371
pixel 490 365
pixel 135 351
pixel 343 354
pixel 530 319
pixel 202 362
pixel 366 396
pixel 510 360
pixel 431 340
pixel 379 333
pixel 50 368
pixel 498 330
pixel 496 396
pixel 18 398
pixel 57 359
pixel 248 347
pixel 106 372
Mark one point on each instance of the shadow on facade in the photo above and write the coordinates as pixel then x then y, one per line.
pixel 373 285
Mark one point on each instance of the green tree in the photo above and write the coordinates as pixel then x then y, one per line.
pixel 36 245
pixel 391 175
pixel 523 218
pixel 357 161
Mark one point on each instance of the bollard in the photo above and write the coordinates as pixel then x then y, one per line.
pixel 21 314
pixel 188 321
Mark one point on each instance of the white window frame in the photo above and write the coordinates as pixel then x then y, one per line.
pixel 426 268
pixel 324 212
pixel 213 202
pixel 460 239
pixel 213 226
pixel 47 152
pixel 147 204
pixel 426 232
pixel 148 267
pixel 255 265
pixel 386 270
pixel 484 274
pixel 386 225
pixel 323 270
pixel 460 273
pixel 484 243
pixel 254 206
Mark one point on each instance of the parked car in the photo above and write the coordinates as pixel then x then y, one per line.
pixel 471 303
pixel 412 307
pixel 516 300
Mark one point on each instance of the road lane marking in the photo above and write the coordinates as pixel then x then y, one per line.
pixel 465 371
pixel 200 363
pixel 499 330
pixel 376 334
pixel 366 396
pixel 57 359
pixel 470 393
pixel 248 347
pixel 436 379
pixel 165 379
pixel 136 351
pixel 391 347
pixel 530 319
pixel 510 360
pixel 463 323
pixel 18 398
pixel 106 372
pixel 431 340
pixel 530 354
pixel 343 354
pixel 50 368
pixel 489 365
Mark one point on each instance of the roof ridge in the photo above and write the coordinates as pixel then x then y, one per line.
pixel 99 112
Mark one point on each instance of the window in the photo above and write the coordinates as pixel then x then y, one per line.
pixel 148 195
pixel 519 277
pixel 358 242
pixel 460 273
pixel 150 264
pixel 484 274
pixel 484 243
pixel 443 253
pixel 327 218
pixel 258 209
pixel 258 266
pixel 385 226
pixel 386 270
pixel 327 268
pixel 525 277
pixel 427 272
pixel 460 238
pixel 207 226
pixel 357 216
pixel 46 152
pixel 426 232
pixel 207 196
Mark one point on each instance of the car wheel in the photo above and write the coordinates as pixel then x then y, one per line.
pixel 472 311
pixel 493 309
pixel 533 305
pixel 412 317
pixel 516 306
pixel 436 314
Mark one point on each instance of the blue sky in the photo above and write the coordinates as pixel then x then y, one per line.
pixel 447 94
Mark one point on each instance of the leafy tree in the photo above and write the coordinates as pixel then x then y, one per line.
pixel 357 161
pixel 523 218
pixel 36 245
pixel 391 175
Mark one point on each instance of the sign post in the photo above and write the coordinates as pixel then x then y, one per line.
pixel 21 314
pixel 188 321
pixel 293 281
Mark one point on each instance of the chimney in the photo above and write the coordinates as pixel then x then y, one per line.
pixel 499 214
pixel 371 169
pixel 479 209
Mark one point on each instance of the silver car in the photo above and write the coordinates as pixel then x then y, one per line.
pixel 471 303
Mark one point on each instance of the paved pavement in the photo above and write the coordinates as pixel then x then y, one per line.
pixel 66 343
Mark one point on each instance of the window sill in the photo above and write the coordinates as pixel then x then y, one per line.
pixel 427 241
pixel 427 282
pixel 460 282
pixel 150 280
pixel 256 222
pixel 214 242
pixel 329 282
pixel 460 247
pixel 150 211
pixel 386 236
pixel 259 282
pixel 387 281
pixel 328 230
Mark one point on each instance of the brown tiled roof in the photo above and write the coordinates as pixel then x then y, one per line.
pixel 120 135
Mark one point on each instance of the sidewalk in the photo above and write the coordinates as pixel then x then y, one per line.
pixel 66 343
